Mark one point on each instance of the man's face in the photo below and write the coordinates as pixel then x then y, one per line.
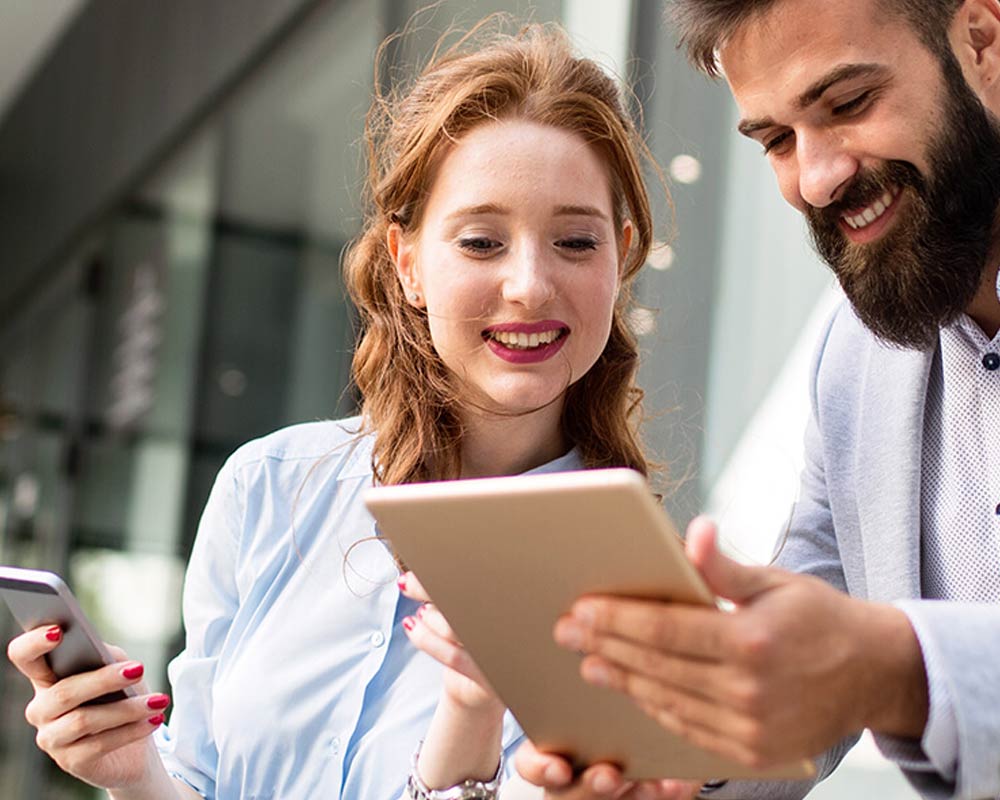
pixel 892 159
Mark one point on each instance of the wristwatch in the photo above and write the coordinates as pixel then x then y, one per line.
pixel 466 790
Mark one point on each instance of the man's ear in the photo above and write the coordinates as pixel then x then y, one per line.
pixel 975 38
pixel 403 254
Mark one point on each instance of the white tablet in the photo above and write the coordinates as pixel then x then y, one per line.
pixel 503 558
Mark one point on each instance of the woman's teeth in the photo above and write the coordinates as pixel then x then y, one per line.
pixel 524 341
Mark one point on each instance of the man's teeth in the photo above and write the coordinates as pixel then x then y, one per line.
pixel 524 341
pixel 873 212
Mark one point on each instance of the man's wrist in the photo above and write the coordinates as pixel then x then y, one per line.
pixel 896 678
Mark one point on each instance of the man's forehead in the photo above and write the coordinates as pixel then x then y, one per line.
pixel 795 44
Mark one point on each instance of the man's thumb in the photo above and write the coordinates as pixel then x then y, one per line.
pixel 726 578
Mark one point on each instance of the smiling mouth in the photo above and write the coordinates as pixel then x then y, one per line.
pixel 519 340
pixel 859 220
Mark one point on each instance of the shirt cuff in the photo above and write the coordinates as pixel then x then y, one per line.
pixel 937 749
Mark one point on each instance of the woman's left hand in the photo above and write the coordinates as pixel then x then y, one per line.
pixel 464 683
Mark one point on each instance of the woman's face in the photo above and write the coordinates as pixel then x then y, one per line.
pixel 517 262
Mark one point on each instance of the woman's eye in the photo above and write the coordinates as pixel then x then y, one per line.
pixel 479 245
pixel 577 244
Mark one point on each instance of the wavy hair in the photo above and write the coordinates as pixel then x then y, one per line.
pixel 408 397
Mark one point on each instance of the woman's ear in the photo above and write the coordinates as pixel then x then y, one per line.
pixel 975 38
pixel 403 254
pixel 625 244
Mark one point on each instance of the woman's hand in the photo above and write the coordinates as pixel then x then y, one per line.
pixel 464 684
pixel 105 745
pixel 464 737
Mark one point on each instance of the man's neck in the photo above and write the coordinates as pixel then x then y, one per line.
pixel 985 306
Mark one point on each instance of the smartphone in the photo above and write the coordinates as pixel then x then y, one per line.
pixel 37 598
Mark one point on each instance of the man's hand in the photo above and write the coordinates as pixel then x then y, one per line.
pixel 599 782
pixel 794 668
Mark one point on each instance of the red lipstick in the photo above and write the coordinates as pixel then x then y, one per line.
pixel 530 355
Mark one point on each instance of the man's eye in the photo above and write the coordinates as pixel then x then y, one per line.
pixel 853 105
pixel 478 245
pixel 772 144
pixel 578 243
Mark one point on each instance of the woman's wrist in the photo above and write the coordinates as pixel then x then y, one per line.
pixel 155 785
pixel 488 713
pixel 462 743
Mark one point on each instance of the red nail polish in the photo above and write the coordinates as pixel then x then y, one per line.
pixel 133 672
pixel 54 634
pixel 420 612
pixel 158 702
pixel 408 623
pixel 401 583
pixel 157 720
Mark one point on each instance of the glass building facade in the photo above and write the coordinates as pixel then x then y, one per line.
pixel 204 307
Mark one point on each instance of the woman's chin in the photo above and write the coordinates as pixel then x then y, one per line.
pixel 521 402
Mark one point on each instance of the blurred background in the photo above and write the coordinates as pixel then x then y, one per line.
pixel 177 183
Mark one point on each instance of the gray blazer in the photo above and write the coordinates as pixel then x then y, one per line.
pixel 857 525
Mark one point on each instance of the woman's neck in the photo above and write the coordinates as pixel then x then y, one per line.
pixel 493 445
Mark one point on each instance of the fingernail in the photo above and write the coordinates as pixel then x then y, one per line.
pixel 584 613
pixel 645 792
pixel 604 783
pixel 555 775
pixel 54 634
pixel 568 634
pixel 133 671
pixel 158 702
pixel 420 612
pixel 401 583
pixel 408 623
pixel 157 720
pixel 596 674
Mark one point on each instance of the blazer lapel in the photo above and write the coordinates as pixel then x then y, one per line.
pixel 888 469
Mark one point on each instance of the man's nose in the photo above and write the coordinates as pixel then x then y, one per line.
pixel 825 168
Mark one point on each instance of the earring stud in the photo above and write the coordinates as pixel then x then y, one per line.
pixel 413 296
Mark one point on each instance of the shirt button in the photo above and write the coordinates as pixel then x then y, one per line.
pixel 377 639
pixel 335 744
pixel 991 361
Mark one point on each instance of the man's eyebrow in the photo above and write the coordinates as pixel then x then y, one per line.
pixel 845 72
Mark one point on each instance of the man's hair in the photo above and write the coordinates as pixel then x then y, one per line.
pixel 704 26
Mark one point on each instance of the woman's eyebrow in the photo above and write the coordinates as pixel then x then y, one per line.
pixel 479 210
pixel 485 209
pixel 580 211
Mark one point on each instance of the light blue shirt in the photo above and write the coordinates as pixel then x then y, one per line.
pixel 297 679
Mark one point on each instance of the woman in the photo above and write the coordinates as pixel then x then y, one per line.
pixel 508 220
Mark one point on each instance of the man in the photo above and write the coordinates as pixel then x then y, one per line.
pixel 879 120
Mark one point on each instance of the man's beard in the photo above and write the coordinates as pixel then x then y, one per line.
pixel 926 269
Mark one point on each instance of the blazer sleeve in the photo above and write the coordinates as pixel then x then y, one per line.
pixel 960 645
